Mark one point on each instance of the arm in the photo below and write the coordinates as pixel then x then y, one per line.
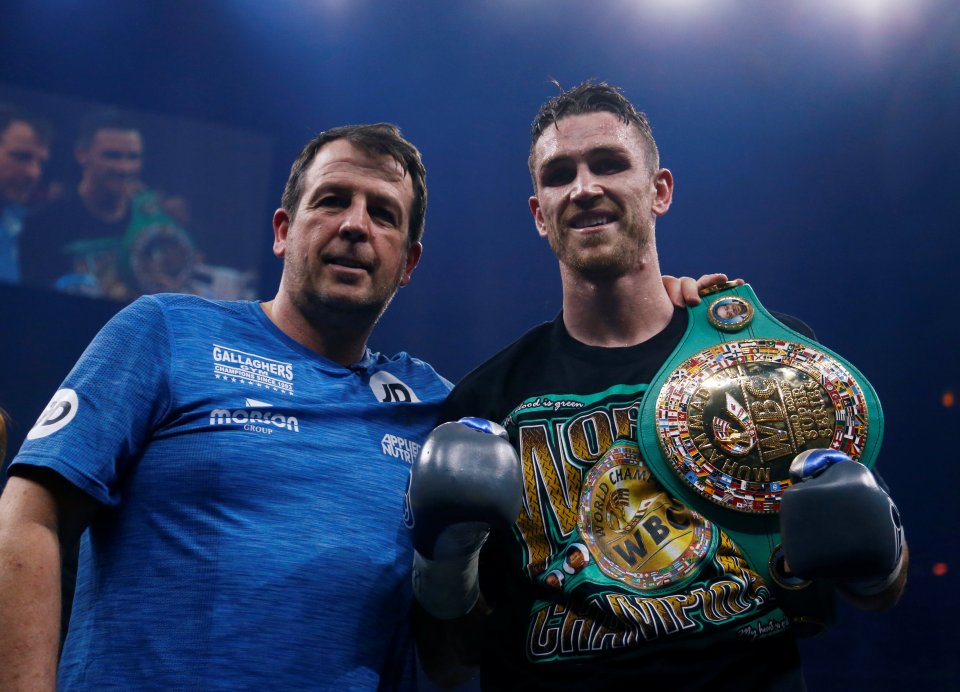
pixel 32 526
pixel 449 650
pixel 465 482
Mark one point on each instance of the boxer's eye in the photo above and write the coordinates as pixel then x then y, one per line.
pixel 608 166
pixel 557 175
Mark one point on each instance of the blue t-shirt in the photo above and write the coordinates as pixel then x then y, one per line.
pixel 11 223
pixel 251 534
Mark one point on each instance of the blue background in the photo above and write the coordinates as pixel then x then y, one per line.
pixel 815 146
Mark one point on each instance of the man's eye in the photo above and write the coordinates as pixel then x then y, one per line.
pixel 608 166
pixel 332 201
pixel 383 214
pixel 559 176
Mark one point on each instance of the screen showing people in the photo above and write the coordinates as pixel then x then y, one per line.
pixel 109 203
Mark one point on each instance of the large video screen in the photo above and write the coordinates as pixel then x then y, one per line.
pixel 112 203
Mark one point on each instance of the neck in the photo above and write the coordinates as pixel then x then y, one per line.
pixel 342 341
pixel 615 311
pixel 106 206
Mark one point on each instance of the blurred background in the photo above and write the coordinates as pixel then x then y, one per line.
pixel 815 146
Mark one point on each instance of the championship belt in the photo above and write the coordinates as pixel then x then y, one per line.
pixel 160 255
pixel 737 400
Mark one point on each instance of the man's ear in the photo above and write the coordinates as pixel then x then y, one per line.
pixel 413 258
pixel 663 183
pixel 281 224
pixel 537 216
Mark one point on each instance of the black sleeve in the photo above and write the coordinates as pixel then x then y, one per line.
pixel 468 398
pixel 795 323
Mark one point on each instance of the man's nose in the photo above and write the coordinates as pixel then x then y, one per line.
pixel 34 169
pixel 586 188
pixel 126 164
pixel 355 224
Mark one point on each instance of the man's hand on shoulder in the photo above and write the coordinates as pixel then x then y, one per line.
pixel 685 290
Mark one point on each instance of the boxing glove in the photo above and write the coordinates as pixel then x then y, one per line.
pixel 837 523
pixel 465 481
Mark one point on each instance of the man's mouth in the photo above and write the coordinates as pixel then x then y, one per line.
pixel 346 262
pixel 591 220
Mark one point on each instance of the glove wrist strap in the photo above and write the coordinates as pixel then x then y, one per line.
pixel 872 587
pixel 448 588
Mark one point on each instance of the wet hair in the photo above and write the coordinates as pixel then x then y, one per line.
pixel 591 97
pixel 103 119
pixel 378 139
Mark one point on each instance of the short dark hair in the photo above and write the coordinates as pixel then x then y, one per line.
pixel 591 97
pixel 103 119
pixel 378 139
pixel 10 114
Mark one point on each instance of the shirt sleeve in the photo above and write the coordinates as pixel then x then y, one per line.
pixel 96 425
pixel 796 324
pixel 469 399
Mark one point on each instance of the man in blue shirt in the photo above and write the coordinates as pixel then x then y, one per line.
pixel 24 149
pixel 240 466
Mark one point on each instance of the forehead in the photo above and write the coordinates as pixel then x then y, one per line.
pixel 341 163
pixel 577 135
pixel 20 134
pixel 109 138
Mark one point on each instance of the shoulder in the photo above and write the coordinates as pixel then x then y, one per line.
pixel 67 206
pixel 56 206
pixel 402 364
pixel 483 391
pixel 795 323
pixel 150 315
pixel 527 346
pixel 181 304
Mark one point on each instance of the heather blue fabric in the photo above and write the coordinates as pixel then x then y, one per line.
pixel 251 531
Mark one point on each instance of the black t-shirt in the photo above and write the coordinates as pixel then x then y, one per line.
pixel 605 578
pixel 49 233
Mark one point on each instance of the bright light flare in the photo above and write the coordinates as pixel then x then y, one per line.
pixel 683 11
pixel 871 13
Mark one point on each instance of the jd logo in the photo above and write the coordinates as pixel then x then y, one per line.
pixel 388 389
pixel 60 411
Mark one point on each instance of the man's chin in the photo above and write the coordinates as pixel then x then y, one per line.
pixel 348 304
pixel 598 266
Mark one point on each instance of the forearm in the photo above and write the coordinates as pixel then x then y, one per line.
pixel 450 650
pixel 465 482
pixel 29 604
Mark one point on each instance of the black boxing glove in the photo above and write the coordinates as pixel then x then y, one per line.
pixel 465 480
pixel 837 523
